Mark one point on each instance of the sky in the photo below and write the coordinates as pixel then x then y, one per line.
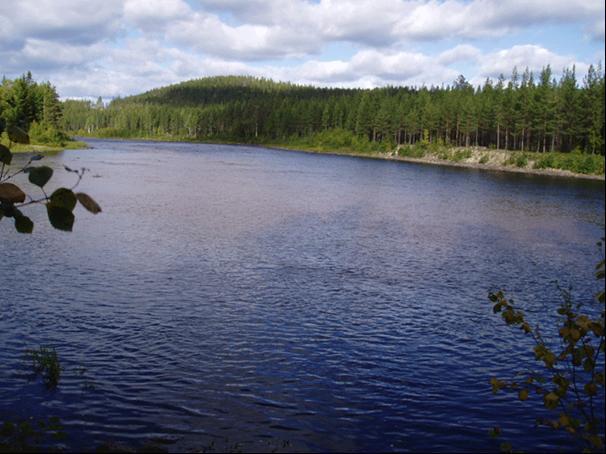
pixel 109 48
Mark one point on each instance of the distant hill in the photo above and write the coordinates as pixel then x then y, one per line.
pixel 223 89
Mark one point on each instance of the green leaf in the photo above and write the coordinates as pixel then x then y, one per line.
pixel 551 400
pixel 11 193
pixel 16 134
pixel 10 211
pixel 63 197
pixel 23 224
pixel 40 175
pixel 505 447
pixel 496 384
pixel 60 218
pixel 5 155
pixel 591 389
pixel 495 432
pixel 88 203
pixel 523 394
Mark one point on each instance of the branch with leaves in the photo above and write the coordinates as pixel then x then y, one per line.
pixel 59 204
pixel 571 377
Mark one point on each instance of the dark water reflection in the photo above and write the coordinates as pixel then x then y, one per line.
pixel 244 295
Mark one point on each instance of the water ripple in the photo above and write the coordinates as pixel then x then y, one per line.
pixel 245 298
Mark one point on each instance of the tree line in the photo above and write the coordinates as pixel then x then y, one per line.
pixel 525 112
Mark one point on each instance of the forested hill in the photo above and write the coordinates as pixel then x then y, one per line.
pixel 225 89
pixel 526 111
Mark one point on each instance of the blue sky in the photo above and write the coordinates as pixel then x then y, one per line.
pixel 114 48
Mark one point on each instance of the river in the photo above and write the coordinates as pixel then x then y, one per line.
pixel 234 297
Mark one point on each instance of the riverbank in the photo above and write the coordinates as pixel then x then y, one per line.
pixel 45 148
pixel 473 158
pixel 530 163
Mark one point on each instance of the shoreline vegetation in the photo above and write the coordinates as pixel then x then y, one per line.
pixel 570 165
pixel 51 148
pixel 31 117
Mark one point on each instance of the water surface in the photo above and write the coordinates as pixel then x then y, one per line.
pixel 288 300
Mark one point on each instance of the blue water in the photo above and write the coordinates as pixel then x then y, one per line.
pixel 254 299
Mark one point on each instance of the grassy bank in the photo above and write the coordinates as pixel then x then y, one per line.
pixel 36 147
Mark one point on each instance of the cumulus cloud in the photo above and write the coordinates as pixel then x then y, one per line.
pixel 375 22
pixel 484 18
pixel 528 56
pixel 596 30
pixel 120 47
pixel 149 14
pixel 460 53
pixel 68 21
pixel 207 33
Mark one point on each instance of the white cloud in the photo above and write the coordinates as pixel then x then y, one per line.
pixel 462 52
pixel 596 30
pixel 484 18
pixel 375 22
pixel 111 47
pixel 207 33
pixel 155 13
pixel 528 56
pixel 69 21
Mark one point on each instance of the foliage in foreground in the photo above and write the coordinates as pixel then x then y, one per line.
pixel 59 204
pixel 570 380
pixel 32 107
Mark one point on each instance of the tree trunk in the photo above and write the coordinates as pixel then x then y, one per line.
pixel 498 136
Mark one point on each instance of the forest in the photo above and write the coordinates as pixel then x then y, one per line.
pixel 526 112
pixel 32 107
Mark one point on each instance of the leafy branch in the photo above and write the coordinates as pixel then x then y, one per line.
pixel 59 204
pixel 571 381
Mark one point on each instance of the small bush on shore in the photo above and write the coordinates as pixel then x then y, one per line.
pixel 460 155
pixel 517 159
pixel 411 151
pixel 575 162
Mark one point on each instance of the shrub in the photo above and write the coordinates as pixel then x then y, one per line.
pixel 46 134
pixel 412 151
pixel 574 162
pixel 521 160
pixel 444 155
pixel 460 155
pixel 518 159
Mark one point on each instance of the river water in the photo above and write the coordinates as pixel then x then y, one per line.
pixel 242 298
